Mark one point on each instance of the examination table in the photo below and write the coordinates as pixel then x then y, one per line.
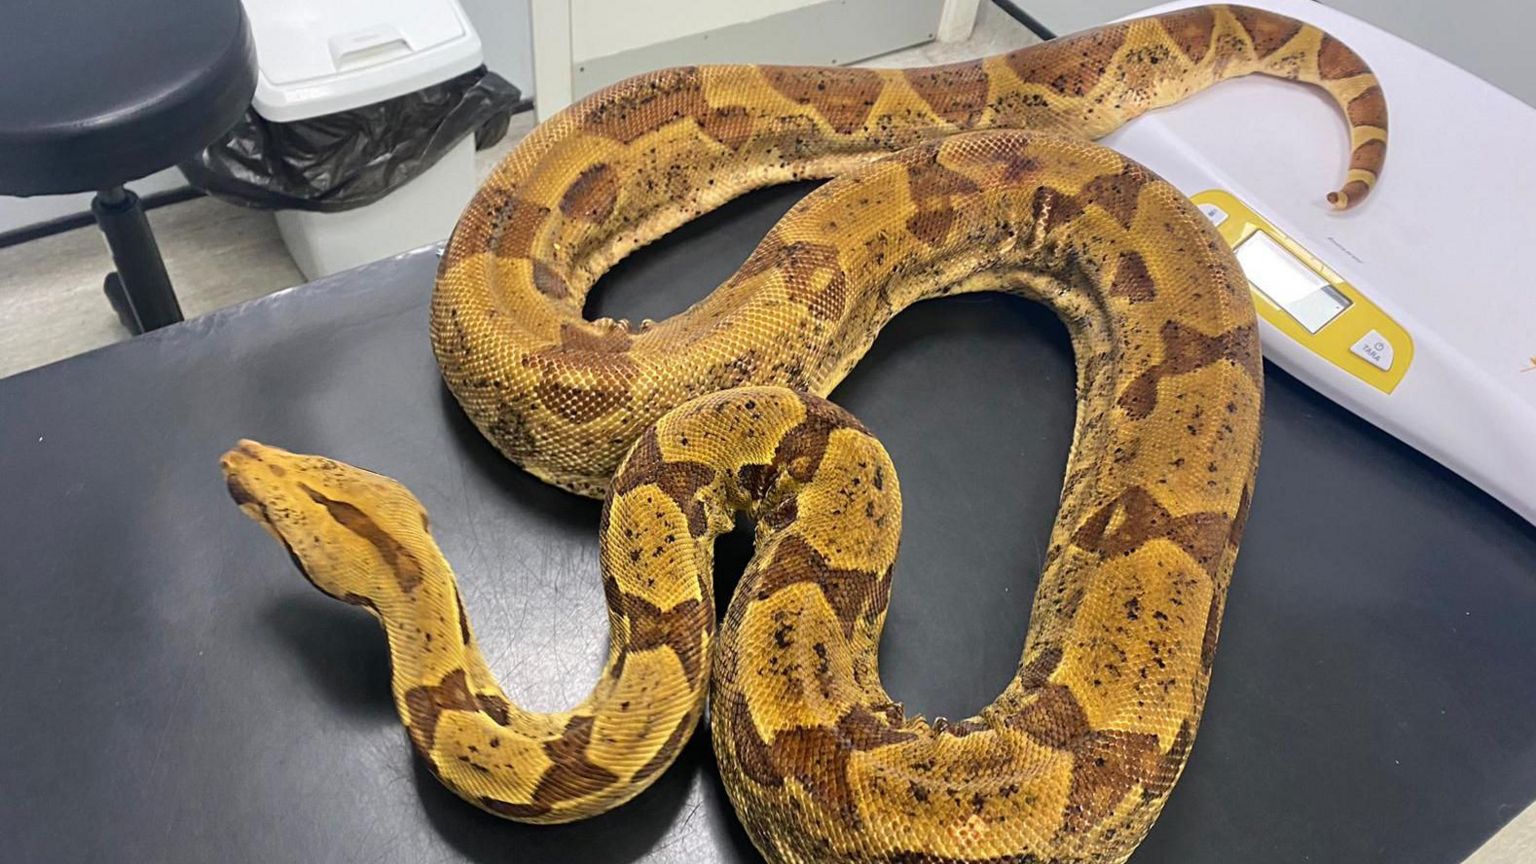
pixel 171 689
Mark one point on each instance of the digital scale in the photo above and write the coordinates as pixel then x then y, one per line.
pixel 1416 309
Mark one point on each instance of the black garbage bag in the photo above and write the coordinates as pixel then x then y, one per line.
pixel 351 158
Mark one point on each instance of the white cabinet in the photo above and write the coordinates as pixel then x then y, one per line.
pixel 583 45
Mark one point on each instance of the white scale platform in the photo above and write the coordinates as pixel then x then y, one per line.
pixel 1417 309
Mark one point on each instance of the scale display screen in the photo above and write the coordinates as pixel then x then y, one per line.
pixel 1288 283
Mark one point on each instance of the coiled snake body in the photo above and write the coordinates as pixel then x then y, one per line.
pixel 686 422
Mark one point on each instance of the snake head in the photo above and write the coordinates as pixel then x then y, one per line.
pixel 356 535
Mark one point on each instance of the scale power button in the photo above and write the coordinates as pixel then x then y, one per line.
pixel 1375 350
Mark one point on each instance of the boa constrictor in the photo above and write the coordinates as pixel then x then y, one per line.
pixel 686 422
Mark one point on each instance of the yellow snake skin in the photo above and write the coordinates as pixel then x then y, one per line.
pixel 564 397
pixel 684 423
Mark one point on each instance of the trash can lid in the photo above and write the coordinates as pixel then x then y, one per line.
pixel 321 58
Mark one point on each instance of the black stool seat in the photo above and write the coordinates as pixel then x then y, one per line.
pixel 96 94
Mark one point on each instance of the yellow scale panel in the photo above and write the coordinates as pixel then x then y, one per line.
pixel 1334 339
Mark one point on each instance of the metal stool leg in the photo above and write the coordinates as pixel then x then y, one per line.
pixel 140 290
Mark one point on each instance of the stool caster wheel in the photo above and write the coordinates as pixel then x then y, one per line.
pixel 117 295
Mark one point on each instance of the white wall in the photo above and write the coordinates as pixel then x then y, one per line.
pixel 1490 38
pixel 506 36
pixel 18 213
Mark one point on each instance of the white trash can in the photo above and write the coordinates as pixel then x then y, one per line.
pixel 319 57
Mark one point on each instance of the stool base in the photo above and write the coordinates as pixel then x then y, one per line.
pixel 140 290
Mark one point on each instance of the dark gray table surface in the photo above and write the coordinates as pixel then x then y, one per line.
pixel 171 690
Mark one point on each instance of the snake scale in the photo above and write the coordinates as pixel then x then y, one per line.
pixel 683 424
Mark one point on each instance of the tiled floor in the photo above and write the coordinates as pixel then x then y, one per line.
pixel 51 302
pixel 1516 844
